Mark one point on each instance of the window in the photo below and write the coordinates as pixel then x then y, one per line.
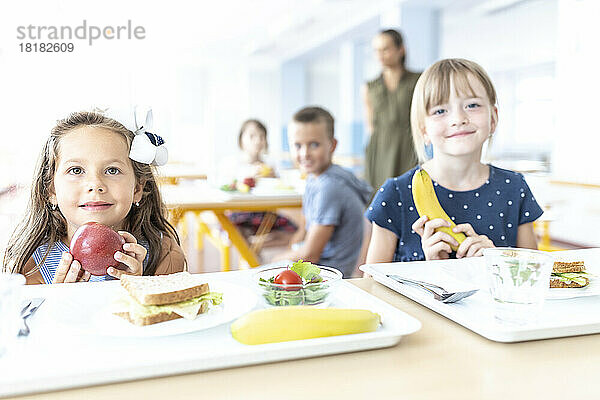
pixel 526 108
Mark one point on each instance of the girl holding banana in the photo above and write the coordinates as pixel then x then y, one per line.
pixel 452 205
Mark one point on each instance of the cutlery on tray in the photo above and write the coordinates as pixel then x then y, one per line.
pixel 439 293
pixel 28 310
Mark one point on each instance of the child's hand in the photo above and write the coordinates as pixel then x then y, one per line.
pixel 256 170
pixel 436 245
pixel 474 244
pixel 133 257
pixel 69 270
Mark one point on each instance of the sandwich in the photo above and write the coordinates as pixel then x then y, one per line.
pixel 568 275
pixel 154 299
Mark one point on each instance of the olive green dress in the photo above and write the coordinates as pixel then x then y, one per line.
pixel 390 151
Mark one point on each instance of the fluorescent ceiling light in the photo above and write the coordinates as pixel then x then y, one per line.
pixel 494 6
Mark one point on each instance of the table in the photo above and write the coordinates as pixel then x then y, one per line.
pixel 172 174
pixel 442 360
pixel 198 198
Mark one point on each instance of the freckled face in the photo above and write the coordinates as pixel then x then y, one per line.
pixel 94 179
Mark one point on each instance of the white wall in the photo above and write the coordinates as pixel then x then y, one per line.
pixel 577 143
pixel 517 47
pixel 323 86
pixel 519 36
pixel 264 103
pixel 547 48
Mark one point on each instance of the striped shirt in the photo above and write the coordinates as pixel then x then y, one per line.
pixel 49 265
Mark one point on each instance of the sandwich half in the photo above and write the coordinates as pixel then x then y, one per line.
pixel 568 275
pixel 154 299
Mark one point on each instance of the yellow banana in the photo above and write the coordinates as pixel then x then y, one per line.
pixel 282 324
pixel 427 203
pixel 265 171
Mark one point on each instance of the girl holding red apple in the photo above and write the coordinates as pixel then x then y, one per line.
pixel 96 167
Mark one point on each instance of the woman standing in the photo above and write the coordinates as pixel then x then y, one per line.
pixel 390 151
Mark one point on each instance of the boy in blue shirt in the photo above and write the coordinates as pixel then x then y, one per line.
pixel 334 199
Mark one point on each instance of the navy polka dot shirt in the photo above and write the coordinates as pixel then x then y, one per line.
pixel 496 209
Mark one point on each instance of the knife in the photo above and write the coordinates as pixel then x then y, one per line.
pixel 27 312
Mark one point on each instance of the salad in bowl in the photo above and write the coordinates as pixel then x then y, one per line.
pixel 301 283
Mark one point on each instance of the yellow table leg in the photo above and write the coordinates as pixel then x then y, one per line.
pixel 545 243
pixel 220 244
pixel 546 234
pixel 225 258
pixel 201 230
pixel 182 225
pixel 175 215
pixel 237 239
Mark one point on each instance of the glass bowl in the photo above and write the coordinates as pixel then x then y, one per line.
pixel 308 294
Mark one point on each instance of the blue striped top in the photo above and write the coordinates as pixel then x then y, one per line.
pixel 48 267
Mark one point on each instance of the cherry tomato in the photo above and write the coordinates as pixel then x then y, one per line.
pixel 288 277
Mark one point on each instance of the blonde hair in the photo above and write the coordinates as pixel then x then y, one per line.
pixel 433 88
pixel 42 224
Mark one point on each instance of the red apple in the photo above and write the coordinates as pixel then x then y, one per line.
pixel 94 245
pixel 250 181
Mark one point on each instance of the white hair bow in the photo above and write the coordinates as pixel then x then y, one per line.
pixel 146 148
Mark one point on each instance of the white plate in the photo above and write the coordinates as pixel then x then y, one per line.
pixel 593 289
pixel 91 314
pixel 592 267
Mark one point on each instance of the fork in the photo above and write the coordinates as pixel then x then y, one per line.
pixel 27 312
pixel 445 296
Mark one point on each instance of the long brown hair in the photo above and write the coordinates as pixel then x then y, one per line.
pixel 42 224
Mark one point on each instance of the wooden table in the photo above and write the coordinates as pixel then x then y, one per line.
pixel 199 198
pixel 441 361
pixel 174 173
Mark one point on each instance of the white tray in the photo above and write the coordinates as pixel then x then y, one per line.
pixel 54 357
pixel 559 317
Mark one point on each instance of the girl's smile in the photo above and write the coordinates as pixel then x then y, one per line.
pixel 96 206
pixel 460 134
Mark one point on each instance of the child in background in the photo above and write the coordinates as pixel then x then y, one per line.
pixel 250 161
pixel 85 174
pixel 453 110
pixel 252 140
pixel 334 199
pixel 253 143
